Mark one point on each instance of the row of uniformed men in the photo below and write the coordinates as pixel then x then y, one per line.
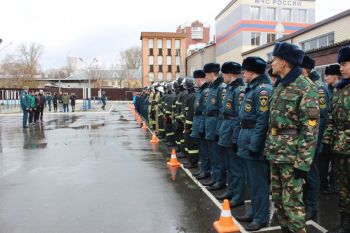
pixel 237 129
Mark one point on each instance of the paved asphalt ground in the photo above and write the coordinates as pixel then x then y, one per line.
pixel 98 173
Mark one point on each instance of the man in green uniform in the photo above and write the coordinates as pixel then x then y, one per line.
pixel 292 135
pixel 339 129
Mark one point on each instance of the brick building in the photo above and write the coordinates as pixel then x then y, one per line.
pixel 196 33
pixel 163 56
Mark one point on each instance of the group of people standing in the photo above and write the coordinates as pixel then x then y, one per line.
pixel 34 103
pixel 287 134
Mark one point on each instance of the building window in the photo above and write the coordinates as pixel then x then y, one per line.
pixel 151 60
pixel 255 38
pixel 151 52
pixel 286 15
pixel 168 60
pixel 160 52
pixel 151 68
pixel 255 13
pixel 160 76
pixel 177 60
pixel 168 44
pixel 169 68
pixel 169 76
pixel 160 43
pixel 301 17
pixel 178 69
pixel 270 14
pixel 177 44
pixel 318 42
pixel 160 60
pixel 151 77
pixel 271 37
pixel 168 52
pixel 197 33
pixel 160 68
pixel 150 43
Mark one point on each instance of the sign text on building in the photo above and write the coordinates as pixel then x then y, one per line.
pixel 290 3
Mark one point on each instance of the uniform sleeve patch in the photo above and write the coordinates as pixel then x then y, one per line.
pixel 264 101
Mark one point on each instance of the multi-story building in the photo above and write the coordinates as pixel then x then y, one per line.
pixel 163 56
pixel 321 41
pixel 246 24
pixel 196 33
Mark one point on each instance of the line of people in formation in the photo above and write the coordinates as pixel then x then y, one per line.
pixel 33 104
pixel 269 134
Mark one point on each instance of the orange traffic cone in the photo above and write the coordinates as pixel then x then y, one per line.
pixel 173 160
pixel 144 126
pixel 154 139
pixel 225 223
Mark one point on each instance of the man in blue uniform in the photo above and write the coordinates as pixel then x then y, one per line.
pixel 212 121
pixel 198 129
pixel 24 100
pixel 327 180
pixel 312 184
pixel 253 115
pixel 229 131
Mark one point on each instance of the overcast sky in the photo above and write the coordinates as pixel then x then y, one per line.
pixel 102 28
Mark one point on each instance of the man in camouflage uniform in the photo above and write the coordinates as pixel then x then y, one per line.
pixel 312 184
pixel 253 116
pixel 339 129
pixel 198 126
pixel 292 135
pixel 212 123
pixel 332 76
pixel 229 131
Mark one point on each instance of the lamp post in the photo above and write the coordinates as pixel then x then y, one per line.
pixel 89 76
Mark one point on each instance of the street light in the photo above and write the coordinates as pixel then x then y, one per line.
pixel 89 75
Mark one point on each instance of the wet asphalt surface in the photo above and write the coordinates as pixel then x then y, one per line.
pixel 99 173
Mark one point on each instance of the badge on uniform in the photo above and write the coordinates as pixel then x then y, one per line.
pixel 206 97
pixel 322 99
pixel 223 94
pixel 241 95
pixel 264 101
pixel 312 123
pixel 248 106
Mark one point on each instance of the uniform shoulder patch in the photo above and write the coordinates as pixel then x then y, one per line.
pixel 322 98
pixel 264 101
pixel 312 123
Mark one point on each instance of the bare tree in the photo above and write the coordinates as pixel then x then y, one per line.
pixel 29 55
pixel 131 58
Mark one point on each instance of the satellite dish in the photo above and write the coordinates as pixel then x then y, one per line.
pixel 279 29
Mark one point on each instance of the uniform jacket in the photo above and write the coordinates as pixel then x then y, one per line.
pixel 339 124
pixel 254 111
pixel 294 106
pixel 199 111
pixel 229 112
pixel 324 102
pixel 189 110
pixel 24 101
pixel 214 103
